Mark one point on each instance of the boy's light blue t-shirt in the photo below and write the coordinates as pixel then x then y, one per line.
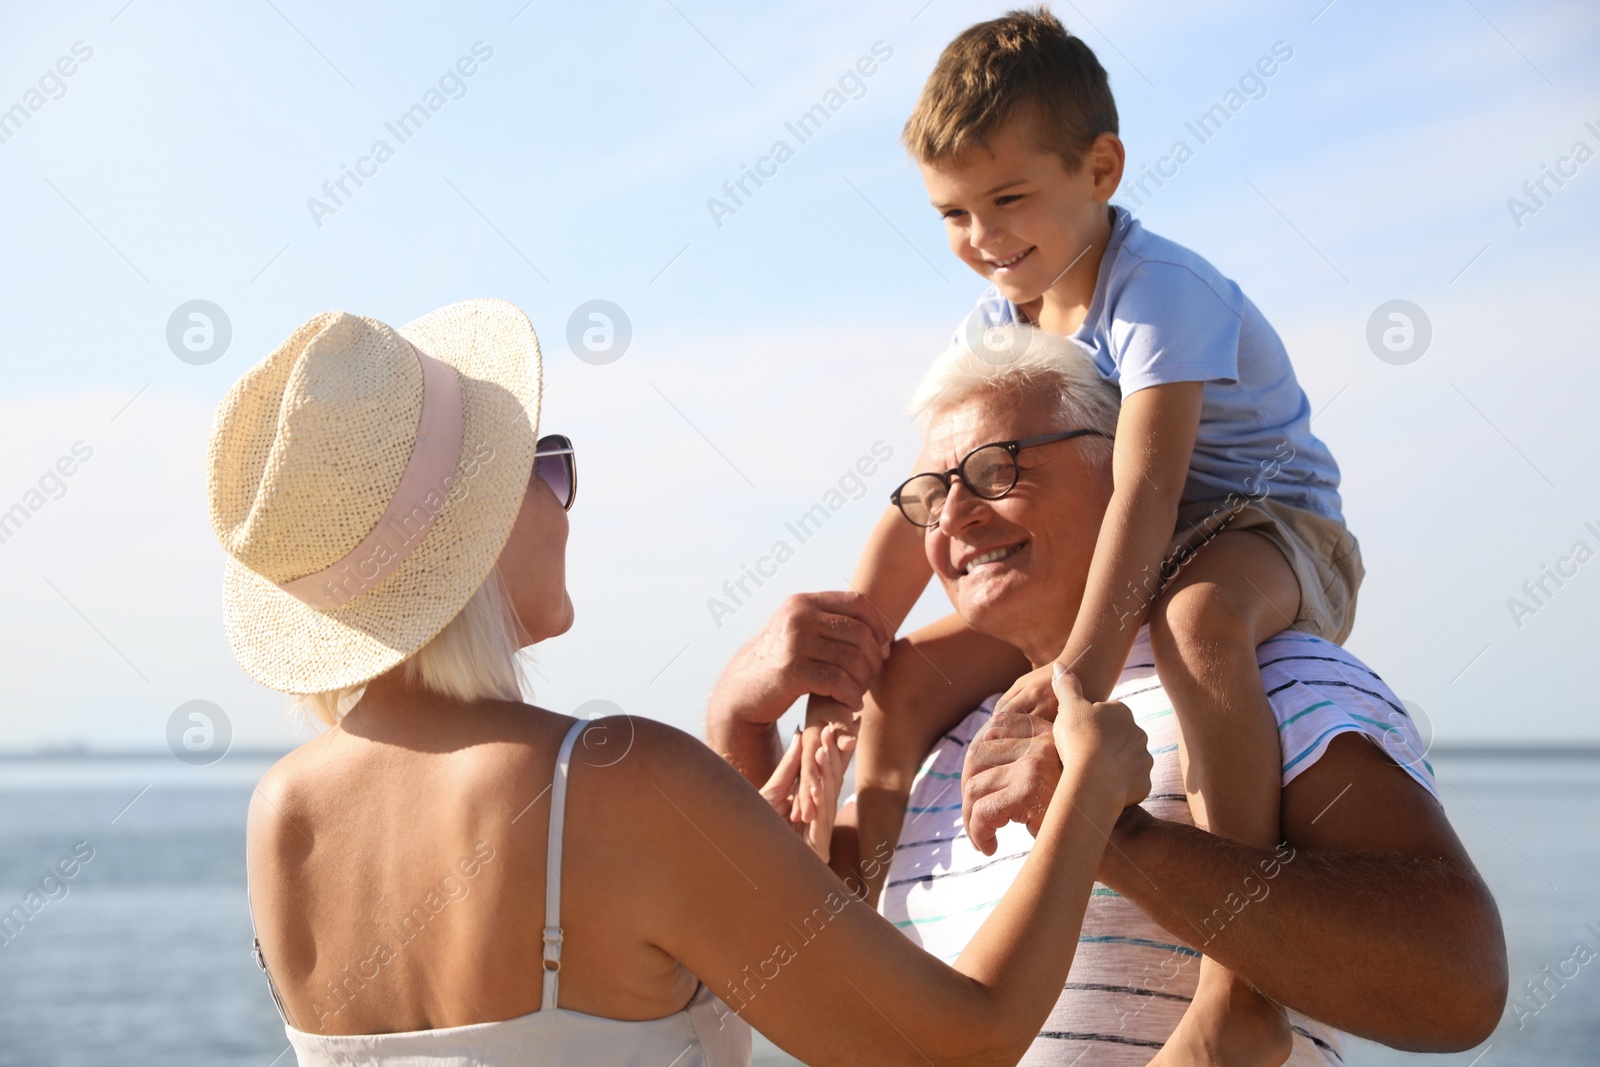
pixel 1162 314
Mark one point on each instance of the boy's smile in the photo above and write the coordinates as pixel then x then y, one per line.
pixel 1015 214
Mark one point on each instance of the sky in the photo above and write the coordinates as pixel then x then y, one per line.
pixel 1393 155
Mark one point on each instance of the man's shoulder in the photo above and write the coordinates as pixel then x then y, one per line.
pixel 1319 690
pixel 1294 659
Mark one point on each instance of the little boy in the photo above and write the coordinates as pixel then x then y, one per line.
pixel 1225 526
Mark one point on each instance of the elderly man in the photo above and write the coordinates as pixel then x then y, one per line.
pixel 1370 919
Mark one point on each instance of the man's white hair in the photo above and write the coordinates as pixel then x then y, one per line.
pixel 1025 362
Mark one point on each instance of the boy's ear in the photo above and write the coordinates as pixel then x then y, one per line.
pixel 1106 158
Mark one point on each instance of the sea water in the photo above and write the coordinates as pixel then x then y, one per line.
pixel 142 955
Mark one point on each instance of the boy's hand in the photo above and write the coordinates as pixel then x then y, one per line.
pixel 1032 694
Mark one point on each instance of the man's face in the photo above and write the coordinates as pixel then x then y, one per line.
pixel 1016 567
pixel 1014 212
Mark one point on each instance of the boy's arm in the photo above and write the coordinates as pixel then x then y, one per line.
pixel 932 680
pixel 890 576
pixel 893 569
pixel 1150 463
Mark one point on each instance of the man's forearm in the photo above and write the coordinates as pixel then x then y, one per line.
pixel 753 750
pixel 1388 947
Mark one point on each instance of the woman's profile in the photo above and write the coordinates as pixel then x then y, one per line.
pixel 449 875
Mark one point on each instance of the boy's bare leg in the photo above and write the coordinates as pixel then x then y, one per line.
pixel 1237 592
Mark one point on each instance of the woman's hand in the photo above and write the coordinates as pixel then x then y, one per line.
pixel 782 789
pixel 815 819
pixel 1101 738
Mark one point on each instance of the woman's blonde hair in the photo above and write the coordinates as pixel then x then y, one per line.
pixel 477 656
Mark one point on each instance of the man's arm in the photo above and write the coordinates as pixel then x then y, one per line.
pixel 831 643
pixel 1377 924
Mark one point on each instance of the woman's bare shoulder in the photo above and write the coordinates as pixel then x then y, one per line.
pixel 635 761
pixel 650 783
pixel 284 799
pixel 647 750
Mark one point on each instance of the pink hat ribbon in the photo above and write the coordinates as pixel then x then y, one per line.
pixel 416 503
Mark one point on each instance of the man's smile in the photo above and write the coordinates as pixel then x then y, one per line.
pixel 987 557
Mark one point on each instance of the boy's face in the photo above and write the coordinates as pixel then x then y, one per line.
pixel 1016 215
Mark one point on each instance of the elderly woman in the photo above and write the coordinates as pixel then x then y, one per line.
pixel 451 876
pixel 1377 923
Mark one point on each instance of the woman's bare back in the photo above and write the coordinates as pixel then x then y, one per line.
pixel 412 840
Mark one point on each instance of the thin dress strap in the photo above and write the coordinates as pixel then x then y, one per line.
pixel 255 949
pixel 551 976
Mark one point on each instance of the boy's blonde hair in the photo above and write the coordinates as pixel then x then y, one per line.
pixel 475 657
pixel 1023 65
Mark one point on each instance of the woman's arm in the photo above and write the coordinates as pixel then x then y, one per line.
pixel 741 902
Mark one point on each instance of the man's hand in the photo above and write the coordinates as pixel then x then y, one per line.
pixel 1012 766
pixel 1014 762
pixel 1010 774
pixel 829 643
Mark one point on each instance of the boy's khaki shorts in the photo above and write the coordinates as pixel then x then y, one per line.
pixel 1324 555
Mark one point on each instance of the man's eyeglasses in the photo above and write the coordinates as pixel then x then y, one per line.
pixel 988 471
pixel 555 462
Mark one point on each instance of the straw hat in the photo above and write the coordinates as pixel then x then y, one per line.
pixel 363 480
